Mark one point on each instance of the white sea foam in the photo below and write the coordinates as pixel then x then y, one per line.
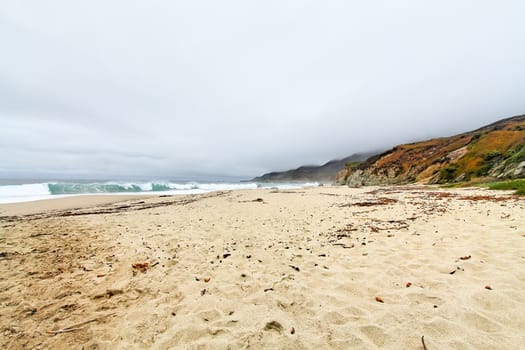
pixel 23 193
pixel 31 192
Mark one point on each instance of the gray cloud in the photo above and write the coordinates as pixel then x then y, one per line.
pixel 176 88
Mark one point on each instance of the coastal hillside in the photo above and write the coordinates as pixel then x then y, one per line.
pixel 494 151
pixel 325 173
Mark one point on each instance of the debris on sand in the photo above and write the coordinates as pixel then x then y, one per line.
pixel 140 266
pixel 77 326
pixel 378 201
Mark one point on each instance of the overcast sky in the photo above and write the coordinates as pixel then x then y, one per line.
pixel 179 88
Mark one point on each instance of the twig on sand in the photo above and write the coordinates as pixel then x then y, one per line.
pixel 423 341
pixel 65 330
pixel 77 326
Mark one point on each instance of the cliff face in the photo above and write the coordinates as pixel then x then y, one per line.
pixel 325 173
pixel 496 150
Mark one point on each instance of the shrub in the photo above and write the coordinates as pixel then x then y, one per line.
pixel 448 173
pixel 492 156
pixel 353 165
pixel 516 154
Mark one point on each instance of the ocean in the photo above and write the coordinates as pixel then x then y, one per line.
pixel 17 191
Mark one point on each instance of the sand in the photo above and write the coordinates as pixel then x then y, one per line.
pixel 316 268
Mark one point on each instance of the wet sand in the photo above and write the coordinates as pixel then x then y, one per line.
pixel 316 268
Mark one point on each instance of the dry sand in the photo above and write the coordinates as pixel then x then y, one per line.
pixel 266 269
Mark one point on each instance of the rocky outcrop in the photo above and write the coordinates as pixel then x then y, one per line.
pixel 494 151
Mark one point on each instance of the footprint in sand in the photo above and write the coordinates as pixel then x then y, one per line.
pixel 376 334
pixel 482 323
pixel 420 298
pixel 334 317
pixel 210 315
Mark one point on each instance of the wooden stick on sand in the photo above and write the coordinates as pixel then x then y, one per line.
pixel 423 341
pixel 77 326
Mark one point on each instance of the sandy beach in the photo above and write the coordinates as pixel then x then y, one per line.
pixel 315 268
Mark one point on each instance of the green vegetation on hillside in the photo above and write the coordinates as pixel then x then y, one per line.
pixel 487 151
pixel 353 165
pixel 448 173
pixel 516 154
pixel 518 185
pixel 495 152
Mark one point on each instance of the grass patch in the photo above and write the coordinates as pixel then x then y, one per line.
pixel 478 181
pixel 455 185
pixel 518 185
pixel 353 165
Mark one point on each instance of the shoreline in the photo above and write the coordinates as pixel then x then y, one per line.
pixel 319 267
pixel 63 203
pixel 11 194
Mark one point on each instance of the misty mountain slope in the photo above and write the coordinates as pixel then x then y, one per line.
pixel 325 173
pixel 494 151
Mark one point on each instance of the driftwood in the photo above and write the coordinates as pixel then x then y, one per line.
pixel 345 246
pixel 78 326
pixel 393 225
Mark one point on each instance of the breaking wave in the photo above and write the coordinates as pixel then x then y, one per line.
pixel 90 188
pixel 30 192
